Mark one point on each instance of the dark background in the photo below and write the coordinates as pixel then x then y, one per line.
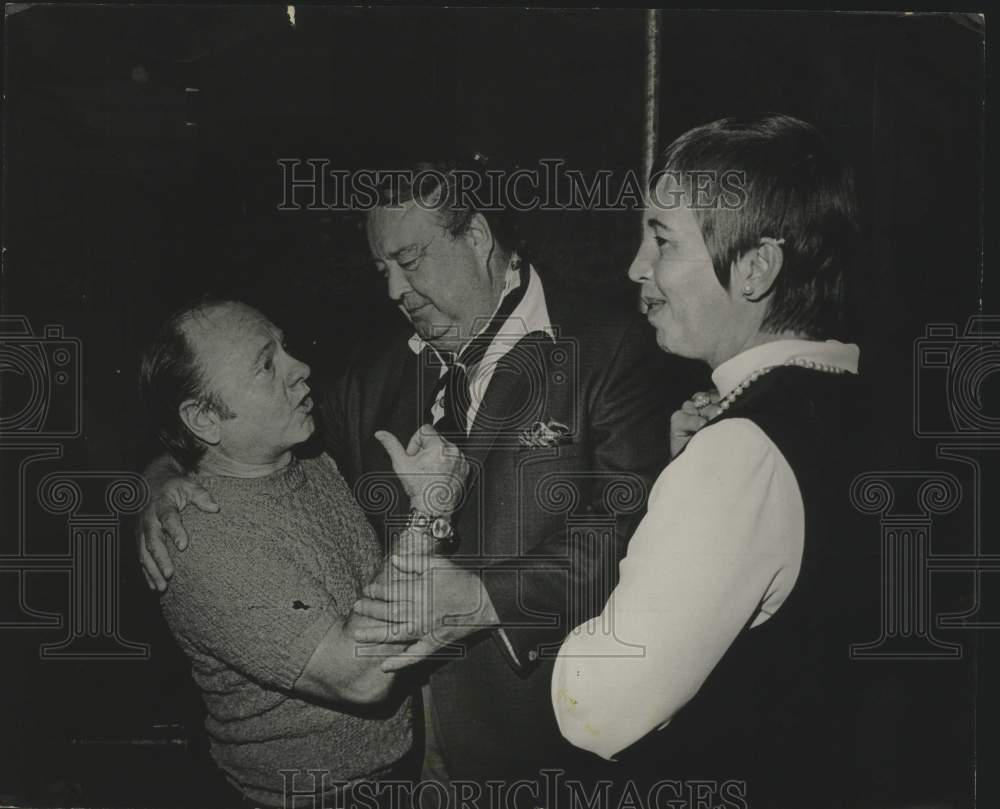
pixel 125 195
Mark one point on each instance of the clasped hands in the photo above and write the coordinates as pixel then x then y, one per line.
pixel 421 602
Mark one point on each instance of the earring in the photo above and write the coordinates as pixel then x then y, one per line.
pixel 747 291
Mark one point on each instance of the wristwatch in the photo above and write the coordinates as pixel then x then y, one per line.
pixel 439 527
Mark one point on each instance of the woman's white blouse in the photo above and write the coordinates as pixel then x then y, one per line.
pixel 720 545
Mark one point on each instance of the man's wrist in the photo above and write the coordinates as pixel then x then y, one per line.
pixel 437 528
pixel 481 616
pixel 419 504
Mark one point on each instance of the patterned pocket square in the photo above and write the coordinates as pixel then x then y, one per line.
pixel 549 433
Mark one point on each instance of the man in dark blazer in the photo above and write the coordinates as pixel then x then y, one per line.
pixel 563 439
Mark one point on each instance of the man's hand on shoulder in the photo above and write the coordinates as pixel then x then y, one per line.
pixel 170 494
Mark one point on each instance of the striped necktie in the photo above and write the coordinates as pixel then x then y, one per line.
pixel 455 381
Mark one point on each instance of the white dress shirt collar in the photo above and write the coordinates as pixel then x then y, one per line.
pixel 778 352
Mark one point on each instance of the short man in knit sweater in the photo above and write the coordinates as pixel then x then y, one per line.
pixel 262 603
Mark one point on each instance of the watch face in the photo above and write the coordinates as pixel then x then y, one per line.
pixel 419 521
pixel 441 528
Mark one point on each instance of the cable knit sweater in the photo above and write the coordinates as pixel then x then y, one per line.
pixel 259 586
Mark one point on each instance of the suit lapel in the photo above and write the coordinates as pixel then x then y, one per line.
pixel 404 396
pixel 512 402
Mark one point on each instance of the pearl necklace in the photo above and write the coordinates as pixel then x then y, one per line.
pixel 726 402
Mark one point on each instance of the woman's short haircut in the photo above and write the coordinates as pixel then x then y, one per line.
pixel 772 176
pixel 170 375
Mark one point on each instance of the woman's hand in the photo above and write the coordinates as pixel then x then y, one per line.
pixel 431 469
pixel 694 414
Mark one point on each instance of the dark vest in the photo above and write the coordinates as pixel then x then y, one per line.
pixel 777 710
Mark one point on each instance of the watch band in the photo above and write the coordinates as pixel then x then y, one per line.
pixel 439 527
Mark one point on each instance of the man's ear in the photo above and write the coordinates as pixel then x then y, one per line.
pixel 757 270
pixel 201 420
pixel 480 236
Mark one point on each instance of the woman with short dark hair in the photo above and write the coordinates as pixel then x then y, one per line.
pixel 721 631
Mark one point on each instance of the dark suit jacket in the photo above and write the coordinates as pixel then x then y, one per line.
pixel 546 526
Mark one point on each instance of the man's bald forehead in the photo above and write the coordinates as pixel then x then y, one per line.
pixel 404 213
pixel 216 314
pixel 394 227
pixel 220 325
